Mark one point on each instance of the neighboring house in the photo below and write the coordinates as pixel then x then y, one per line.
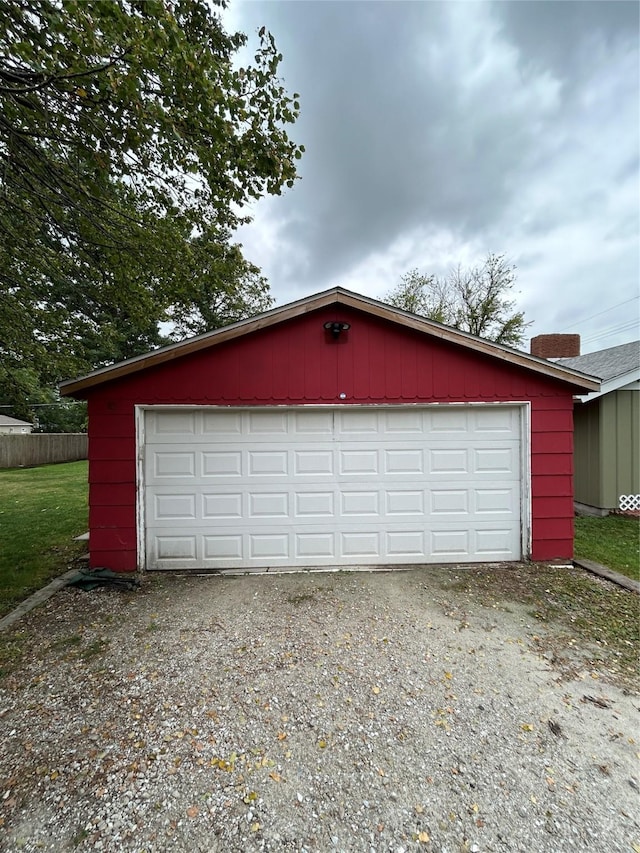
pixel 14 426
pixel 607 430
pixel 334 431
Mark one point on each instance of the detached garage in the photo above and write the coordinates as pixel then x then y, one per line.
pixel 334 431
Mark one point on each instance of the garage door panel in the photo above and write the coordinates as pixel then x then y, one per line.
pixel 267 423
pixel 313 463
pixel 449 502
pixel 448 461
pixel 167 507
pixel 221 505
pixel 173 423
pixel 493 460
pixel 269 546
pixel 267 463
pixel 318 504
pixel 404 422
pixel 174 464
pixel 404 502
pixel 366 544
pixel 222 424
pixel 356 422
pixel 494 542
pixel 315 424
pixel 359 503
pixel 496 500
pixel 405 543
pixel 315 546
pixel 496 421
pixel 360 462
pixel 327 487
pixel 176 547
pixel 450 543
pixel 222 547
pixel 442 423
pixel 399 461
pixel 268 505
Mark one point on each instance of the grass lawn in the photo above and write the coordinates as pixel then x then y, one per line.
pixel 41 510
pixel 613 541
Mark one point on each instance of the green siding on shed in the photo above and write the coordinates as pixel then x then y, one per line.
pixel 607 442
pixel 619 439
pixel 586 443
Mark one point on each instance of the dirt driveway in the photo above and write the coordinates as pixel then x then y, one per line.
pixel 355 712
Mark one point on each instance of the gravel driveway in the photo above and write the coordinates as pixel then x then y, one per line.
pixel 355 712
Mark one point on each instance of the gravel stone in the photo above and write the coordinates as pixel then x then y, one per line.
pixel 307 712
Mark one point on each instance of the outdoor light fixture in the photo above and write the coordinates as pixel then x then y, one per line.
pixel 335 328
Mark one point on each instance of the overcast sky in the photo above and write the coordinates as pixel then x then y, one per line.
pixel 439 132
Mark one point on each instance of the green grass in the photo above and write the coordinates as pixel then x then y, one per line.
pixel 41 510
pixel 613 541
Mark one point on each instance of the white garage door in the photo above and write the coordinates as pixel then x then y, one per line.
pixel 330 487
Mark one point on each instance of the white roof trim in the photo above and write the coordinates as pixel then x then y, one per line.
pixel 618 383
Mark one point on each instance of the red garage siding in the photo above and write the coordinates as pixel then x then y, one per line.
pixel 296 362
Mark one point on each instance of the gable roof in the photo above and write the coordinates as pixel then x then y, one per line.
pixel 337 296
pixel 5 420
pixel 607 363
pixel 617 367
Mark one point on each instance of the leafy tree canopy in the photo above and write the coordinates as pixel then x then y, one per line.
pixel 476 300
pixel 129 148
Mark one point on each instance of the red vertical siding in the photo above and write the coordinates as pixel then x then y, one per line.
pixel 296 363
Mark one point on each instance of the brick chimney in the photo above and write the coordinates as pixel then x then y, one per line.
pixel 555 346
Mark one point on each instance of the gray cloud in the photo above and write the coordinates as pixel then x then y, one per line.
pixel 432 127
pixel 567 35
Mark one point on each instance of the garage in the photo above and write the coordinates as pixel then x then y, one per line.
pixel 333 431
pixel 324 486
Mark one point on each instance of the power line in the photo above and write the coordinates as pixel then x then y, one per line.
pixel 45 405
pixel 606 310
pixel 612 330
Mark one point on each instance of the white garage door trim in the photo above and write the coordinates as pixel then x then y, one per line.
pixel 387 483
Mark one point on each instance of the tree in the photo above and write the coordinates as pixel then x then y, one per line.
pixel 475 300
pixel 128 144
pixel 42 406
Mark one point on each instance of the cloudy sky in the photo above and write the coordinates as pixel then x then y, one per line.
pixel 437 132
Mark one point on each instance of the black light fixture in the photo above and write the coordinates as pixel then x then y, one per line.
pixel 335 327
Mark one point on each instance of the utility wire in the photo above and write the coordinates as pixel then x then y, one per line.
pixel 585 319
pixel 607 333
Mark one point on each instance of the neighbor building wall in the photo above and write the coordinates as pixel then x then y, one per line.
pixel 619 443
pixel 586 438
pixel 296 363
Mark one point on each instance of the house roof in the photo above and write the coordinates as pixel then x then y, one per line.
pixel 5 420
pixel 617 367
pixel 607 363
pixel 334 297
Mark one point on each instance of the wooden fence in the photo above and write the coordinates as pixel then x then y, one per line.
pixel 27 451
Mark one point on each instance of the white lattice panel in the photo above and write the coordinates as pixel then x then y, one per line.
pixel 629 503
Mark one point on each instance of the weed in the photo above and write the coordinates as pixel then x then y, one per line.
pixel 95 648
pixel 80 835
pixel 11 651
pixel 301 598
pixel 67 642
